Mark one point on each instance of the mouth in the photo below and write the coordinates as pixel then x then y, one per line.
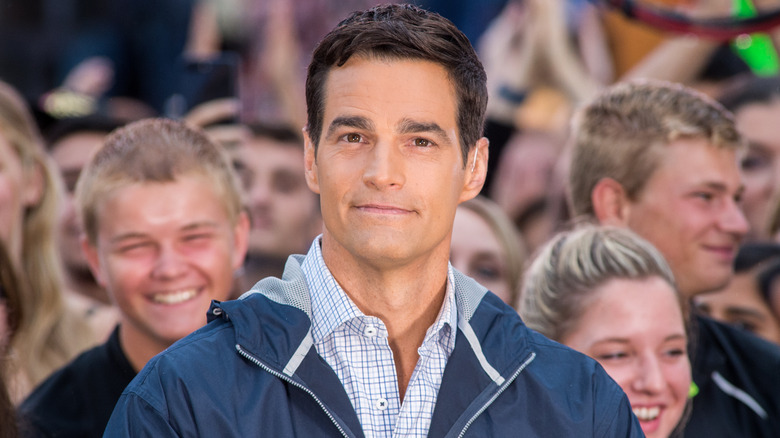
pixel 644 413
pixel 174 297
pixel 383 209
pixel 725 252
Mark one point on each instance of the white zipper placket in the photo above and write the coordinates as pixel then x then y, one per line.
pixel 287 379
pixel 495 396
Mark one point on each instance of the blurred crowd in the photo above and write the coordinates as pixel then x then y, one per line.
pixel 74 71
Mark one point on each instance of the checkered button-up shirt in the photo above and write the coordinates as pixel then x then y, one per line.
pixel 356 347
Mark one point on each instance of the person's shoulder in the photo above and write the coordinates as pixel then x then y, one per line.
pixel 84 389
pixel 86 370
pixel 735 344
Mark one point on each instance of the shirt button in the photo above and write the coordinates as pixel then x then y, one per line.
pixel 370 331
pixel 381 404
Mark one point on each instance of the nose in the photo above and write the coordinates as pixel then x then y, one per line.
pixel 385 167
pixel 733 220
pixel 649 377
pixel 260 193
pixel 170 264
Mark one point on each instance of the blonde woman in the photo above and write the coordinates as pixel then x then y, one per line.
pixel 609 294
pixel 50 334
pixel 487 247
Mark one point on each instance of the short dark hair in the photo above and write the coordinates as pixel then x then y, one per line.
pixel 748 90
pixel 92 123
pixel 402 32
pixel 278 133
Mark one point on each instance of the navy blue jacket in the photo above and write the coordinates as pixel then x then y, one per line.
pixel 253 371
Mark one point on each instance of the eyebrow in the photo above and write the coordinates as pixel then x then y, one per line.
pixel 626 340
pixel 188 227
pixel 743 311
pixel 720 187
pixel 356 122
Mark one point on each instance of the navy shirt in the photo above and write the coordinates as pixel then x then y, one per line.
pixel 77 400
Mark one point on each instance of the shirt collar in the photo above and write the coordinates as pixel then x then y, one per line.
pixel 331 307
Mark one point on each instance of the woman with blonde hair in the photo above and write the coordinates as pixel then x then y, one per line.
pixel 51 334
pixel 487 247
pixel 608 293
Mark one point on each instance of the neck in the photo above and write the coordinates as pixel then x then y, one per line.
pixel 406 297
pixel 137 347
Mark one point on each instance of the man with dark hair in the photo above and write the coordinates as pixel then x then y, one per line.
pixel 372 333
pixel 285 214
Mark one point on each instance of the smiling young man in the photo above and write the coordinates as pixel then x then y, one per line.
pixel 372 333
pixel 664 161
pixel 165 232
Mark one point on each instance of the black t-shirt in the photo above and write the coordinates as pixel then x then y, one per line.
pixel 77 400
pixel 738 375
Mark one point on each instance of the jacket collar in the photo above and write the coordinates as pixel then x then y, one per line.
pixel 284 337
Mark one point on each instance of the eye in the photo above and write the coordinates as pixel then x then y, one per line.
pixel 353 138
pixel 705 196
pixel 288 183
pixel 134 248
pixel 745 325
pixel 612 356
pixel 197 237
pixel 488 272
pixel 754 162
pixel 423 142
pixel 675 352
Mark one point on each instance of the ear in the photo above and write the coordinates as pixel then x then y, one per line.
pixel 476 170
pixel 33 188
pixel 610 202
pixel 93 259
pixel 240 239
pixel 310 162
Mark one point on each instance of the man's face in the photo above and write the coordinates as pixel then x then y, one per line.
pixel 164 251
pixel 689 210
pixel 284 211
pixel 388 167
pixel 761 164
pixel 71 154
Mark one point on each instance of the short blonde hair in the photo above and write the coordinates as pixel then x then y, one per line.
pixel 622 132
pixel 154 150
pixel 562 279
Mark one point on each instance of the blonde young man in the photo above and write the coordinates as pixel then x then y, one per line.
pixel 372 333
pixel 664 161
pixel 165 232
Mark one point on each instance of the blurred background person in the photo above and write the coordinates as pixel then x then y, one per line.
pixel 54 329
pixel 10 317
pixel 744 302
pixel 275 39
pixel 71 143
pixel 610 294
pixel 284 213
pixel 486 247
pixel 755 102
